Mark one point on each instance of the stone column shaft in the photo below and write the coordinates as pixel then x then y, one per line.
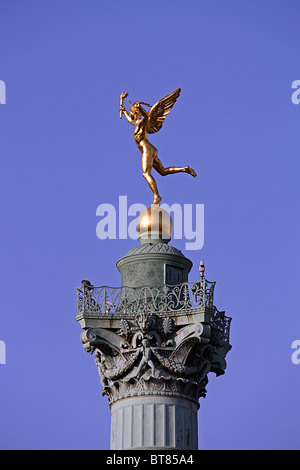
pixel 154 422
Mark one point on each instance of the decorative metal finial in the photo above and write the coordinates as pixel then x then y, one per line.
pixel 201 269
pixel 87 285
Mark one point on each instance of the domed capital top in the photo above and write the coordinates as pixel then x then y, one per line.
pixel 154 225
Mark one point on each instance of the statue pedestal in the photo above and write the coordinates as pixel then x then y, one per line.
pixel 155 340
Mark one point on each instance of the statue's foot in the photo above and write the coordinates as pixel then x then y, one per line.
pixel 156 200
pixel 190 171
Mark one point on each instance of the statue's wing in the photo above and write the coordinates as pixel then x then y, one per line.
pixel 160 110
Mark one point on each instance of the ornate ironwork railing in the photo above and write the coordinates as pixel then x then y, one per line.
pixel 220 324
pixel 98 301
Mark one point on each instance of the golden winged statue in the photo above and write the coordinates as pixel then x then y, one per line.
pixel 148 123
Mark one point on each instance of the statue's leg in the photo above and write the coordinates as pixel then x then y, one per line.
pixel 151 364
pixel 147 164
pixel 142 363
pixel 171 169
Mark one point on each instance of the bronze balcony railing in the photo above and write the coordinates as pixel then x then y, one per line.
pixel 99 301
pixel 110 302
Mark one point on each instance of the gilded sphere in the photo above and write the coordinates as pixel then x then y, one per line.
pixel 154 223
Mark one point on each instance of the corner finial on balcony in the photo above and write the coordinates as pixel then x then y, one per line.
pixel 87 284
pixel 201 269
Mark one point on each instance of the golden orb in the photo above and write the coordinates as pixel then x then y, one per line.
pixel 154 223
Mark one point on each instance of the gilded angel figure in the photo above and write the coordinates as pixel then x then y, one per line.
pixel 148 123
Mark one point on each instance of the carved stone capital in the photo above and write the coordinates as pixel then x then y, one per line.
pixel 152 355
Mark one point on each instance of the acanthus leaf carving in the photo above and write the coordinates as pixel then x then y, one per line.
pixel 150 354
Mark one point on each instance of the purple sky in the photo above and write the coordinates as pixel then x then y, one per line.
pixel 64 151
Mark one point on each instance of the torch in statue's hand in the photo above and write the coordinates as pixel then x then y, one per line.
pixel 122 97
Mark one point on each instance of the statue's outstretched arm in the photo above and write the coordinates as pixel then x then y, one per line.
pixel 123 110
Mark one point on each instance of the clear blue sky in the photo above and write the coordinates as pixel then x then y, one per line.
pixel 64 151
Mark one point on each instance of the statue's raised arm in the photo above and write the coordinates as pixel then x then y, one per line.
pixel 150 122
